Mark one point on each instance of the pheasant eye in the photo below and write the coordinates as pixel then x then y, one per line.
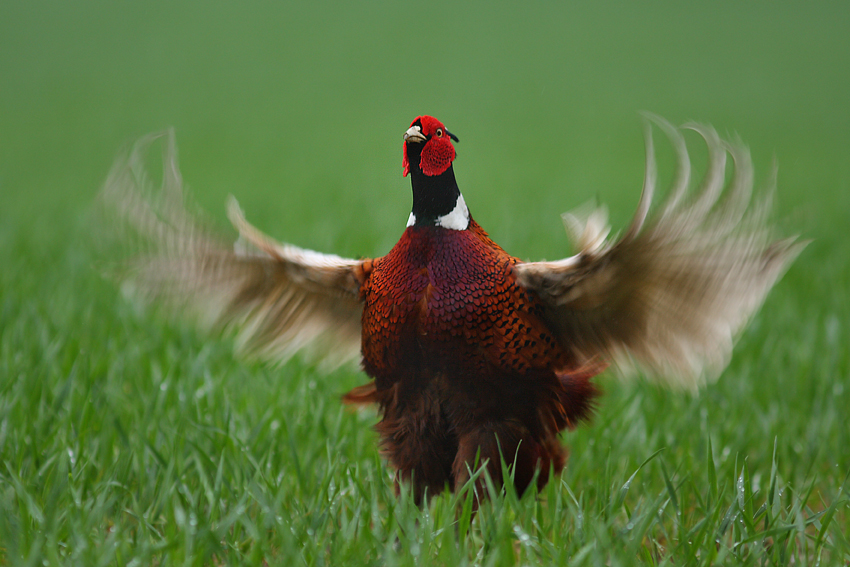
pixel 439 132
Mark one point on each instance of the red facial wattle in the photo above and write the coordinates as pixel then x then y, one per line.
pixel 404 162
pixel 437 155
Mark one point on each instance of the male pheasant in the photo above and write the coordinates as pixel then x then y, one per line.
pixel 475 354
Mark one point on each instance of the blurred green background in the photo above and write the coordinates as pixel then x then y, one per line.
pixel 298 109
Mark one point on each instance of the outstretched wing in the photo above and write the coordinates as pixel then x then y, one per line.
pixel 278 298
pixel 671 295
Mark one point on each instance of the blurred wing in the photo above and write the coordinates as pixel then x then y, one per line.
pixel 278 298
pixel 671 295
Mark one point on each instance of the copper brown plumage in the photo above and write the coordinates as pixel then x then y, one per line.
pixel 459 354
pixel 473 353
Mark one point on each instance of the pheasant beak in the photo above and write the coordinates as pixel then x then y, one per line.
pixel 414 134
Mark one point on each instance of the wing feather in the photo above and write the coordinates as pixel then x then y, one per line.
pixel 279 299
pixel 672 294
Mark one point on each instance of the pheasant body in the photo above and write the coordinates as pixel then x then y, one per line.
pixel 453 343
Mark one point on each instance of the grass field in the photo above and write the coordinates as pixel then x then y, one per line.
pixel 126 439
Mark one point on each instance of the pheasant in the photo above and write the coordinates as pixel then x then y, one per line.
pixel 474 355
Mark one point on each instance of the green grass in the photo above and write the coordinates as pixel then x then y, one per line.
pixel 126 439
